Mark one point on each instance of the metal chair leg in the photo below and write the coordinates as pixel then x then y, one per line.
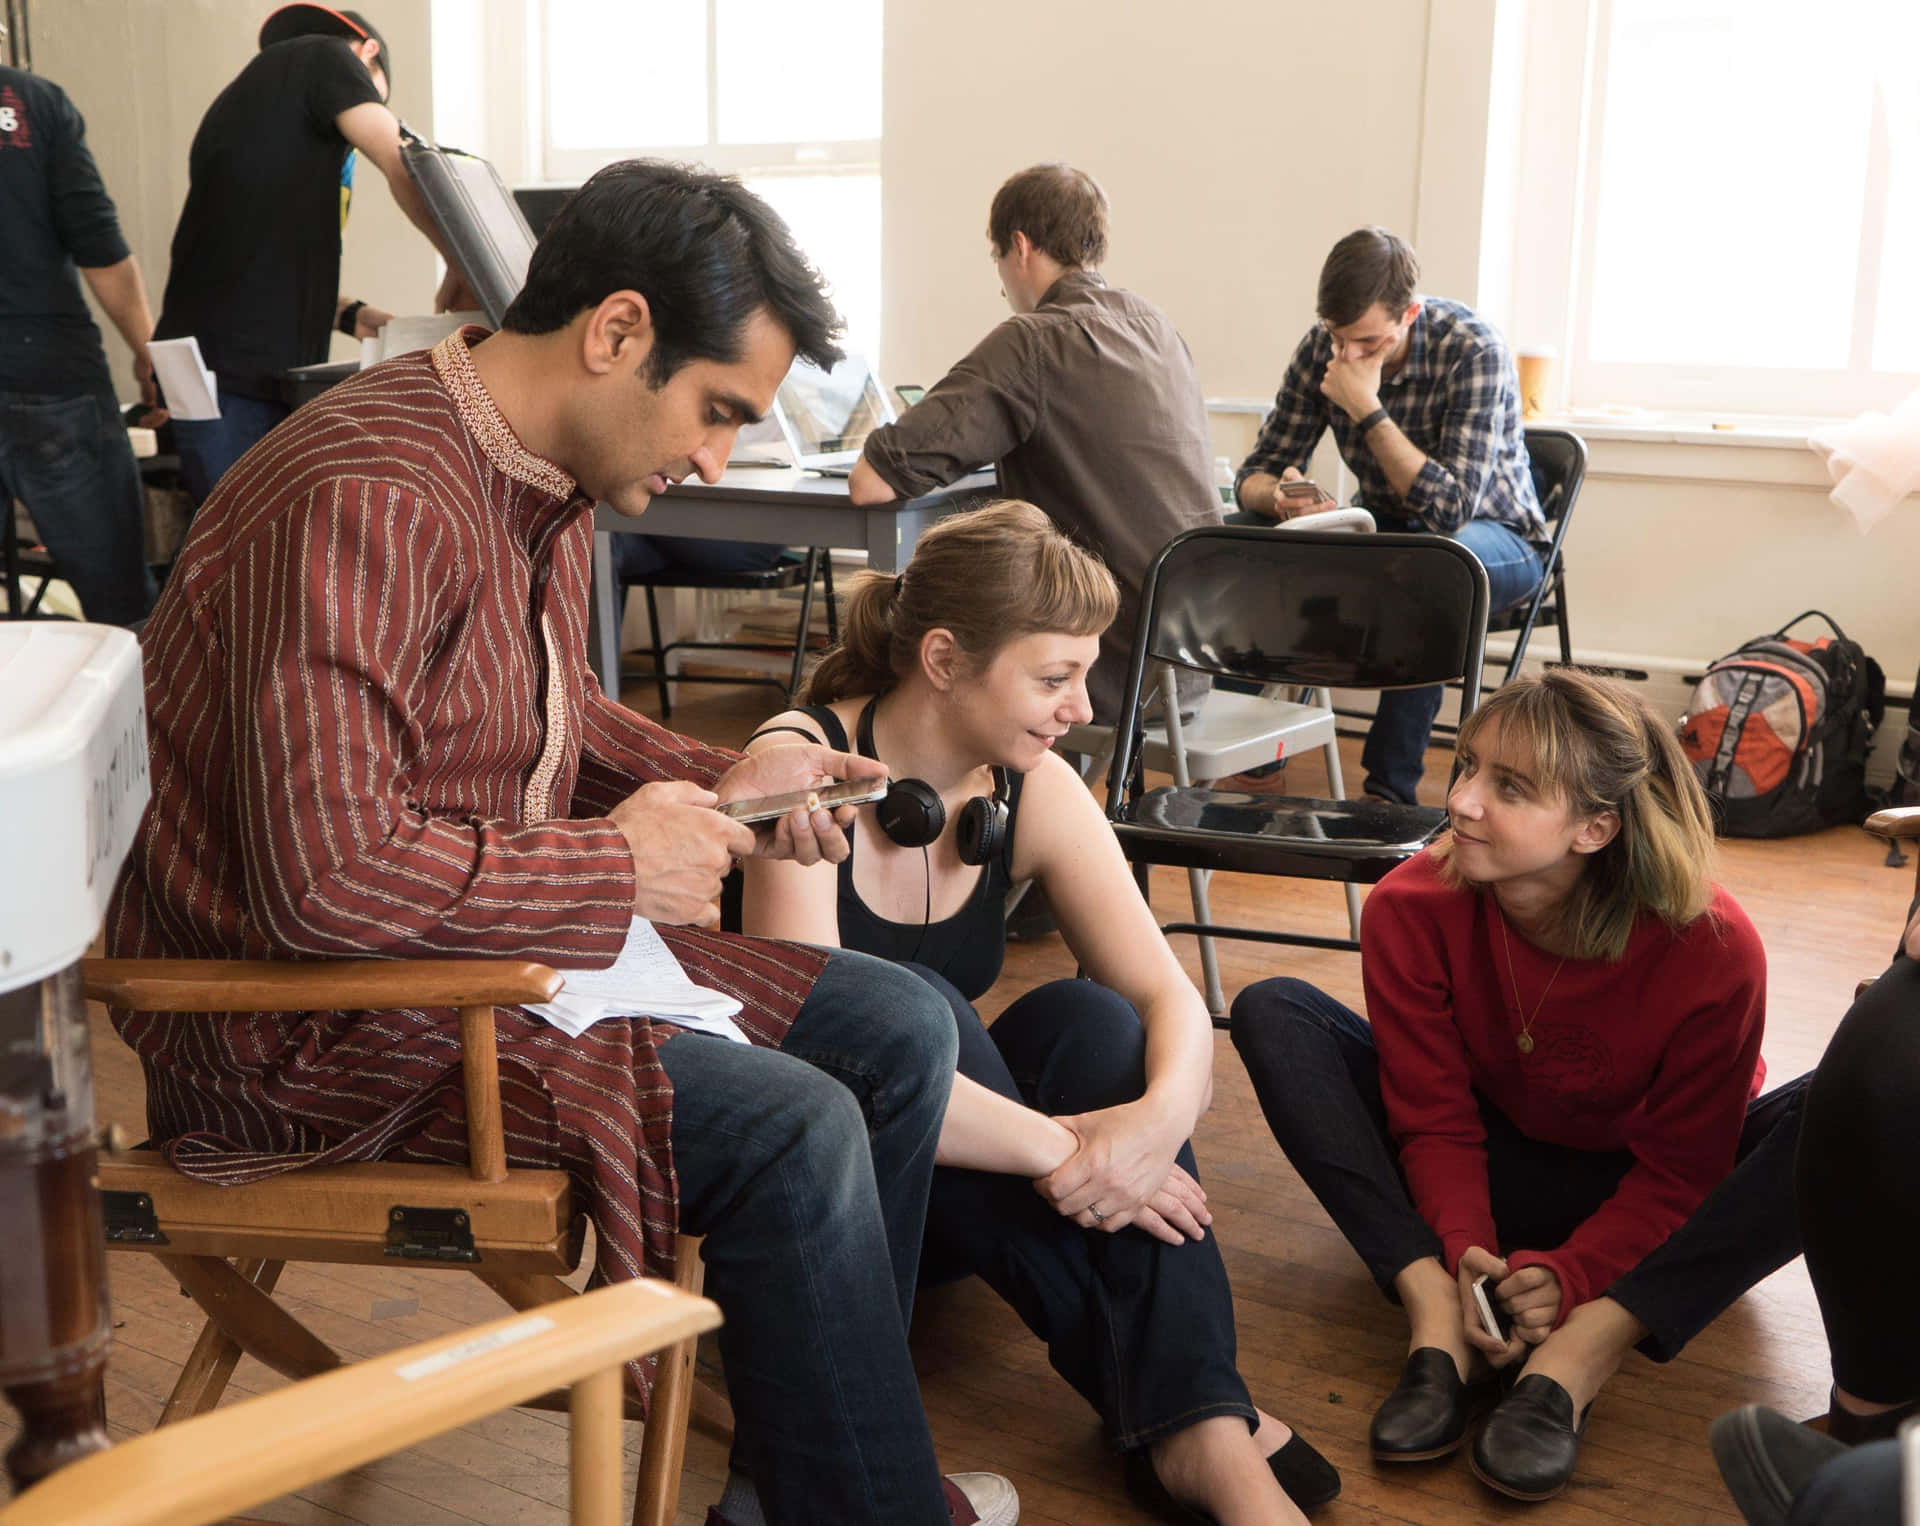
pixel 1197 879
pixel 1337 787
pixel 659 652
pixel 814 553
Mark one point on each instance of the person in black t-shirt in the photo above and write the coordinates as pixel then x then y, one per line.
pixel 255 272
pixel 63 449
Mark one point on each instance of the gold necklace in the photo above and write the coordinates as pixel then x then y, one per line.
pixel 1524 1038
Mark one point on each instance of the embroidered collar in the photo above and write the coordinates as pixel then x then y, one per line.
pixel 453 364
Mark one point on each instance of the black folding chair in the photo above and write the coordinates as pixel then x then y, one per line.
pixel 802 569
pixel 1315 609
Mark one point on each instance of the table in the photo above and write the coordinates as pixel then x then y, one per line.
pixel 780 504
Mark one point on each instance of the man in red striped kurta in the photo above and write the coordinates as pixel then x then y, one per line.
pixel 374 733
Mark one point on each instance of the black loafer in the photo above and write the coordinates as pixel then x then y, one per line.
pixel 1530 1442
pixel 1427 1413
pixel 1308 1479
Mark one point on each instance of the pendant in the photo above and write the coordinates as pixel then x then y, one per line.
pixel 1525 1041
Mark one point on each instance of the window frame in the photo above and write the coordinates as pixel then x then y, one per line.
pixel 1782 391
pixel 792 157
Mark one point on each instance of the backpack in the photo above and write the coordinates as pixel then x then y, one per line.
pixel 1778 732
pixel 1905 789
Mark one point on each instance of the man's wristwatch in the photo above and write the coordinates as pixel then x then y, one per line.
pixel 1366 426
pixel 349 319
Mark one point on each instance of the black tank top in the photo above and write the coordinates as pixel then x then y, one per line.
pixel 968 947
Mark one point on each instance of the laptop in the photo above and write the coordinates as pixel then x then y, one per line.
pixel 478 218
pixel 826 416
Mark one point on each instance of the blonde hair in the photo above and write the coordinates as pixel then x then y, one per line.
pixel 990 576
pixel 1599 746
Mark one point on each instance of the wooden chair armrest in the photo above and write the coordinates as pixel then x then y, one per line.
pixel 240 1456
pixel 475 986
pixel 1895 821
pixel 273 985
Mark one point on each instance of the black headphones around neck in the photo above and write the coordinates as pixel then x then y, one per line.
pixel 913 815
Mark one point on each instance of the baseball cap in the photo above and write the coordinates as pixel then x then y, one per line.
pixel 308 20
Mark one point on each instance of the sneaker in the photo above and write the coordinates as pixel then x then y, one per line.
pixel 1767 1459
pixel 1267 779
pixel 983 1498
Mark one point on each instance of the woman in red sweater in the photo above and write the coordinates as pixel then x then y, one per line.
pixel 1557 1090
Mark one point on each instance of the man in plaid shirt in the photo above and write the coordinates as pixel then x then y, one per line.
pixel 1425 408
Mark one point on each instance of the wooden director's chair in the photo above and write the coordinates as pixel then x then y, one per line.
pixel 516 1229
pixel 203 1469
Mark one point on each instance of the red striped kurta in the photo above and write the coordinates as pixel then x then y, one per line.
pixel 373 733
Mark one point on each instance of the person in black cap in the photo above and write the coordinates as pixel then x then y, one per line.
pixel 255 271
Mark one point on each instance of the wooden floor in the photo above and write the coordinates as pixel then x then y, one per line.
pixel 1317 1344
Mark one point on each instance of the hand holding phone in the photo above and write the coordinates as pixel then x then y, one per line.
pixel 1493 1318
pixel 772 807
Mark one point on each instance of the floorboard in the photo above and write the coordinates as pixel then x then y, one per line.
pixel 1318 1344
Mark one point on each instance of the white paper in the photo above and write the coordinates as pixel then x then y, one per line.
pixel 405 333
pixel 644 981
pixel 184 377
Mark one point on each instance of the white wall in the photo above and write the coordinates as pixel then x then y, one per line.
pixel 142 72
pixel 1236 138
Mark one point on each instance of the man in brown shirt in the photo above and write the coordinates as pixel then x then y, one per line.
pixel 1086 399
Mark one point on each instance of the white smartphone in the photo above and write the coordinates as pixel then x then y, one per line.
pixel 1304 490
pixel 772 807
pixel 1493 1320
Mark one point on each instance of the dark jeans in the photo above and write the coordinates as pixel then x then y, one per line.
pixel 1317 1075
pixel 67 459
pixel 209 446
pixel 1395 753
pixel 1860 1487
pixel 645 556
pixel 1142 1330
pixel 807 1170
pixel 1858 1189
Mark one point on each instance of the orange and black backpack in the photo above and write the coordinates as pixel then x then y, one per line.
pixel 1778 732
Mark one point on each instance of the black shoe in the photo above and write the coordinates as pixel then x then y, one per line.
pixel 1766 1459
pixel 1427 1413
pixel 1530 1442
pixel 1852 1430
pixel 1307 1478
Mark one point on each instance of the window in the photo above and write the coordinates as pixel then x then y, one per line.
pixel 1752 202
pixel 787 96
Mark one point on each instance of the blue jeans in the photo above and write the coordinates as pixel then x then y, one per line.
pixel 67 459
pixel 209 446
pixel 807 1170
pixel 1395 754
pixel 1142 1330
pixel 1317 1076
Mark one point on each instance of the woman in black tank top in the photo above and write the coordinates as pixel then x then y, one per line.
pixel 962 673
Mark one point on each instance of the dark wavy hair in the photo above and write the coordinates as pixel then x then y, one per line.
pixel 705 252
pixel 1369 265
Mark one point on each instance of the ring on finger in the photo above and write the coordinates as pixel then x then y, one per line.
pixel 1098 1216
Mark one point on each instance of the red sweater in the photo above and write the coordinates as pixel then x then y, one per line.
pixel 1658 1054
